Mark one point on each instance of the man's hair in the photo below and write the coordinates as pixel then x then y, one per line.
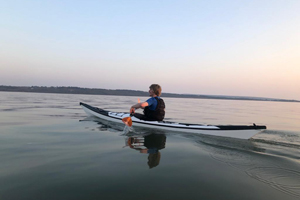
pixel 156 88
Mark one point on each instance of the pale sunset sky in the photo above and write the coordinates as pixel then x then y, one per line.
pixel 218 47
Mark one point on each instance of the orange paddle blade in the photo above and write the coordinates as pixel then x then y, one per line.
pixel 127 121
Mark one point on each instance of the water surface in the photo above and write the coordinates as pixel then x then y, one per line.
pixel 50 149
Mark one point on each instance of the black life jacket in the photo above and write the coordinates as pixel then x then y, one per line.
pixel 158 114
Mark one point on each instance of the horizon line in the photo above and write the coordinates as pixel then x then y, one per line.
pixel 167 93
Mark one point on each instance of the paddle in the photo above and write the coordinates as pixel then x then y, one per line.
pixel 127 120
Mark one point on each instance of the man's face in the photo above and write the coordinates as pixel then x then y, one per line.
pixel 151 92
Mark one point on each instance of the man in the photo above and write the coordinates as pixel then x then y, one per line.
pixel 154 107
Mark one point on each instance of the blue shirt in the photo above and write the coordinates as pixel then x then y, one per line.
pixel 152 103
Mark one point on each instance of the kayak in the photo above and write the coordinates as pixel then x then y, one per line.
pixel 233 131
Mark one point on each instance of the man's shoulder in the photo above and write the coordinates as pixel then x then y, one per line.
pixel 154 98
pixel 158 98
pixel 151 99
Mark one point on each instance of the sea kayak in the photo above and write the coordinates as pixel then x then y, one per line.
pixel 233 131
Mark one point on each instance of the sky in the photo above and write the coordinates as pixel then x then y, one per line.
pixel 217 47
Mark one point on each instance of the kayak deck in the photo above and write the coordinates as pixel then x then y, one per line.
pixel 235 131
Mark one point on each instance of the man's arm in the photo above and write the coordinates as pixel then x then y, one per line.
pixel 138 105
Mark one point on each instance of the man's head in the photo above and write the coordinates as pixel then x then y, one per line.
pixel 156 89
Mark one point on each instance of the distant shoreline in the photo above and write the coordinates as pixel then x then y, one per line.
pixel 119 92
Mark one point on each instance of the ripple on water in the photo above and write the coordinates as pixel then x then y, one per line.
pixel 283 179
pixel 243 156
pixel 284 138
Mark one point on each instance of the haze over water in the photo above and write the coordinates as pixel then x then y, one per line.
pixel 50 149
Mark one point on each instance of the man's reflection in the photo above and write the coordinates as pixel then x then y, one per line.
pixel 150 144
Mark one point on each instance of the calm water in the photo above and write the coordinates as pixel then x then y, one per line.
pixel 49 149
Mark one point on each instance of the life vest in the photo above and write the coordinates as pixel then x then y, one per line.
pixel 158 114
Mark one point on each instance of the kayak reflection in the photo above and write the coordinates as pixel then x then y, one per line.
pixel 149 144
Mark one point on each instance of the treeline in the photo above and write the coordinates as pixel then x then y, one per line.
pixel 72 90
pixel 96 91
pixel 92 91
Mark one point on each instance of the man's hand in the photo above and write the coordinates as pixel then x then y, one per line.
pixel 132 110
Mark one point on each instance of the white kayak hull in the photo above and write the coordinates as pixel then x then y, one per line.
pixel 233 131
